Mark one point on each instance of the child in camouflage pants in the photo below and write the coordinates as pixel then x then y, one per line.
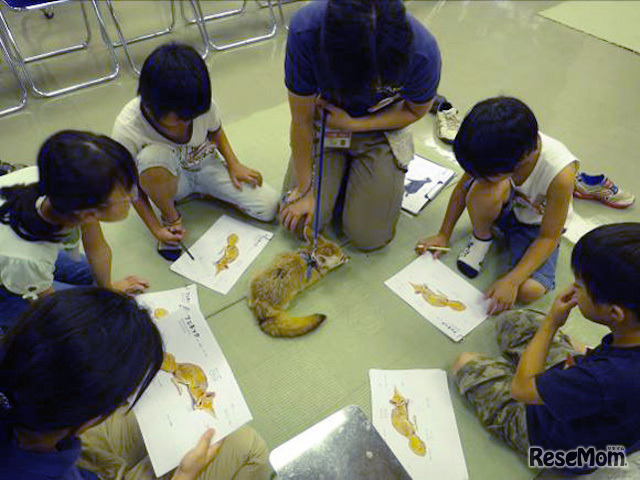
pixel 552 394
pixel 486 382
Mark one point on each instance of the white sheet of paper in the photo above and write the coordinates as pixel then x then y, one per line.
pixel 422 182
pixel 576 226
pixel 426 271
pixel 24 175
pixel 209 249
pixel 430 410
pixel 169 424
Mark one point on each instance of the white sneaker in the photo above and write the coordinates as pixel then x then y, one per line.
pixel 471 258
pixel 447 122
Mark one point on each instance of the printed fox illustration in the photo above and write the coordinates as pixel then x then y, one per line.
pixel 194 378
pixel 404 426
pixel 273 289
pixel 230 253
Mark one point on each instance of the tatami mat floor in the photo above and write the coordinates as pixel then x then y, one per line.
pixel 583 91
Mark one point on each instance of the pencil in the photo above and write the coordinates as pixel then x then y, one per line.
pixel 433 248
pixel 186 250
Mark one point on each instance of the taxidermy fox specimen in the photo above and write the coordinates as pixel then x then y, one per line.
pixel 400 421
pixel 273 289
pixel 194 378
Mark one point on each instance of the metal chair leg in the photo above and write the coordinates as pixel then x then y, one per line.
pixel 213 16
pixel 23 90
pixel 21 63
pixel 272 28
pixel 60 51
pixel 147 36
pixel 125 43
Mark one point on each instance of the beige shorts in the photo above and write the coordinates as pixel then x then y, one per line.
pixel 114 450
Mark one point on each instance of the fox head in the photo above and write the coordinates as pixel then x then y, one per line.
pixel 327 254
pixel 168 363
pixel 397 399
pixel 205 402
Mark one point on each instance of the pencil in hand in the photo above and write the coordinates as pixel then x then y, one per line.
pixel 186 250
pixel 434 248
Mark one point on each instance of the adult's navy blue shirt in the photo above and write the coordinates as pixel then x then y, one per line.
pixel 596 402
pixel 19 464
pixel 304 74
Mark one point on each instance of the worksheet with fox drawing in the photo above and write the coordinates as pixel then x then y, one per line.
pixel 222 254
pixel 440 295
pixel 201 392
pixel 412 411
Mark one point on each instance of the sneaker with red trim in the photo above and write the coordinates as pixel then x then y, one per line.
pixel 602 189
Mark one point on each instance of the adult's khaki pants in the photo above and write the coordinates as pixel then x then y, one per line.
pixel 115 450
pixel 373 186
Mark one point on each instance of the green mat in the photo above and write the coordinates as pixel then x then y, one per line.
pixel 612 21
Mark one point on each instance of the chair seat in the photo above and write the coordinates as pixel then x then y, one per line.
pixel 30 4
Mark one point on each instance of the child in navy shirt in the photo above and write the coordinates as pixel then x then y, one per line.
pixel 550 393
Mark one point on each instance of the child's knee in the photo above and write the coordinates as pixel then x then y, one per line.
pixel 530 291
pixel 514 327
pixel 266 208
pixel 488 195
pixel 462 360
pixel 155 155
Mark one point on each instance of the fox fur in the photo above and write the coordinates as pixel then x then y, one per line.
pixel 273 289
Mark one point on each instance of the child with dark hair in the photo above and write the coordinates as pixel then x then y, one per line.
pixel 375 70
pixel 518 180
pixel 66 369
pixel 83 179
pixel 549 392
pixel 173 129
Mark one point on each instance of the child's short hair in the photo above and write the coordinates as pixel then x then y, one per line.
pixel 174 78
pixel 74 356
pixel 607 260
pixel 494 136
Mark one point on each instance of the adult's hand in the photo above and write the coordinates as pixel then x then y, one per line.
pixel 337 117
pixel 297 209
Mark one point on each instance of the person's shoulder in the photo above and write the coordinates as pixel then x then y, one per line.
pixel 130 127
pixel 609 362
pixel 553 147
pixel 423 41
pixel 130 113
pixel 308 18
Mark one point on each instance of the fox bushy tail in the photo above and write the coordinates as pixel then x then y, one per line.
pixel 283 325
pixel 278 323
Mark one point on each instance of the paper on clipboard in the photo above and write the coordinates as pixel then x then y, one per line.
pixel 422 182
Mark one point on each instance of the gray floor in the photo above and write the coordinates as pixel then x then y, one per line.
pixel 583 91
